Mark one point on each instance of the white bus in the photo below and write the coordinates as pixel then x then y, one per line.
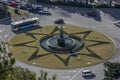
pixel 24 24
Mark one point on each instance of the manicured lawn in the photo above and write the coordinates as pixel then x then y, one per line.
pixel 13 14
pixel 26 47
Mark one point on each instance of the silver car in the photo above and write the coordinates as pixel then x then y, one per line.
pixel 117 24
pixel 86 73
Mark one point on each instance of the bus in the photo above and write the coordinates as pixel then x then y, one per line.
pixel 24 24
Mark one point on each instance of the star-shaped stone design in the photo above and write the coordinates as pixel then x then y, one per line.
pixel 66 59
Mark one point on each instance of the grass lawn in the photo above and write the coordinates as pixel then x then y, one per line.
pixel 26 47
pixel 13 14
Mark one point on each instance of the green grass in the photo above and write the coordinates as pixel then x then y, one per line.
pixel 13 14
pixel 23 53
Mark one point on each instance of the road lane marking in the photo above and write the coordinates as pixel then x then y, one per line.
pixel 2 30
pixel 73 71
pixel 76 74
pixel 7 35
pixel 65 77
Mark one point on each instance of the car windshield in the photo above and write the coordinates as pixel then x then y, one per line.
pixel 87 72
pixel 118 23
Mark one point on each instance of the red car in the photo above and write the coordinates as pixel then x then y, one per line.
pixel 13 4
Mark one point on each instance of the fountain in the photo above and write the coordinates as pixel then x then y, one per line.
pixel 61 42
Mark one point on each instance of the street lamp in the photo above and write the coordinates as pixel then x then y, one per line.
pixel 5 4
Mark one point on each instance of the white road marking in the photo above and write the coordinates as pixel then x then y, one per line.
pixel 7 35
pixel 65 77
pixel 72 71
pixel 50 18
pixel 1 38
pixel 2 30
pixel 76 74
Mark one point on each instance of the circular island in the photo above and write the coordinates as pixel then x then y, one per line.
pixel 78 47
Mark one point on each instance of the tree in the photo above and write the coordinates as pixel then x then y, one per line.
pixel 10 72
pixel 23 74
pixel 92 1
pixel 3 10
pixel 112 70
pixel 44 74
pixel 6 65
pixel 86 2
pixel 111 3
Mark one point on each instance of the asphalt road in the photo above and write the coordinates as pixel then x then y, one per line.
pixel 103 23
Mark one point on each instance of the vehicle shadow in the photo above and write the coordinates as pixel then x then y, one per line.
pixel 89 77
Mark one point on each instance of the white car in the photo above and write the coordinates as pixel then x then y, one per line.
pixel 117 24
pixel 86 73
pixel 44 12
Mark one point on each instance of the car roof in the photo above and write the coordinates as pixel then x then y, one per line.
pixel 86 71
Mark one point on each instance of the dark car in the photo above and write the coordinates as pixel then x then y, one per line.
pixel 29 7
pixel 93 14
pixel 23 7
pixel 117 24
pixel 38 7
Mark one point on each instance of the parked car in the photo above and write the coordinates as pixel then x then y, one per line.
pixel 13 3
pixel 23 7
pixel 38 7
pixel 87 73
pixel 117 24
pixel 46 12
pixel 29 7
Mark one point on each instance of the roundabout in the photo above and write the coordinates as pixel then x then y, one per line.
pixel 83 47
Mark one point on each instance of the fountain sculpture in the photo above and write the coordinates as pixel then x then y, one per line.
pixel 61 42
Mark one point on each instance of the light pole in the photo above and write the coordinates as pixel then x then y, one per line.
pixel 19 6
pixel 6 2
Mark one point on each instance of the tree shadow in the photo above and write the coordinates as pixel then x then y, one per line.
pixel 112 13
pixel 6 20
pixel 67 11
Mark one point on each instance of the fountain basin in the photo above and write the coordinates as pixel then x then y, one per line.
pixel 72 43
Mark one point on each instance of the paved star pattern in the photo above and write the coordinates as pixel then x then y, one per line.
pixel 66 60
